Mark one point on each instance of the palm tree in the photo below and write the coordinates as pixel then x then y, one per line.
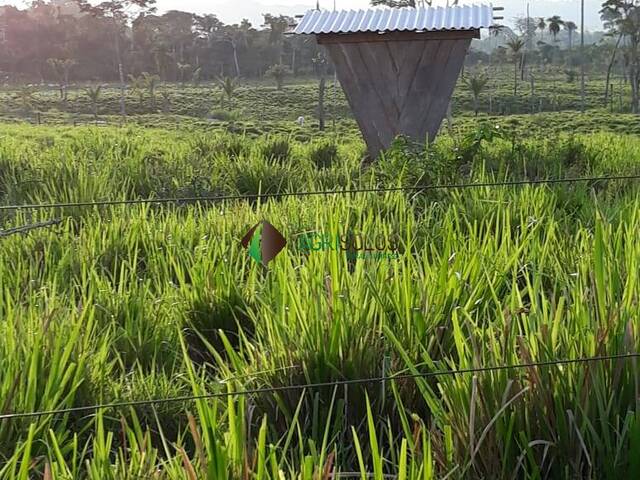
pixel 278 72
pixel 516 45
pixel 570 27
pixel 196 76
pixel 229 86
pixel 232 39
pixel 542 25
pixel 61 69
pixel 150 82
pixel 476 84
pixel 496 30
pixel 183 68
pixel 166 101
pixel 161 59
pixel 94 95
pixel 555 23
pixel 138 86
pixel 277 26
pixel 27 98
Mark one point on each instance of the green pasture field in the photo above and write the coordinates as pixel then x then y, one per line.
pixel 261 102
pixel 132 302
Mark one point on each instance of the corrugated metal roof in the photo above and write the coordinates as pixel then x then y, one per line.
pixel 385 19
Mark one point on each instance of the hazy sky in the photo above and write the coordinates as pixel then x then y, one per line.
pixel 232 11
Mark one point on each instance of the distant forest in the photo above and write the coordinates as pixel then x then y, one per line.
pixel 57 38
pixel 61 41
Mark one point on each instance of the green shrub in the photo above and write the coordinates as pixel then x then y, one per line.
pixel 223 115
pixel 571 75
pixel 407 162
pixel 276 149
pixel 202 145
pixel 301 137
pixel 324 154
pixel 233 146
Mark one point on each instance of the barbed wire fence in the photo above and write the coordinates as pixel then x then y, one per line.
pixel 298 387
pixel 337 383
pixel 272 195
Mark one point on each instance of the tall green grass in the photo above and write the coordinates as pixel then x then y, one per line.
pixel 130 303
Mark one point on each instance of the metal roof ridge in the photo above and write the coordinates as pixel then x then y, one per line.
pixel 388 19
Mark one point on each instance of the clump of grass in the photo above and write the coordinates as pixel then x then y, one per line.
pixel 324 154
pixel 233 146
pixel 203 145
pixel 276 149
pixel 223 115
pixel 253 176
pixel 214 323
pixel 410 163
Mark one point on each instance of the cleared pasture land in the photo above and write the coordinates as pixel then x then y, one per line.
pixel 256 105
pixel 129 303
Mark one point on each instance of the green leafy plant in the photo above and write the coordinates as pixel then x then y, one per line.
pixel 324 154
pixel 228 86
pixel 277 149
pixel 476 85
pixel 278 72
pixel 94 96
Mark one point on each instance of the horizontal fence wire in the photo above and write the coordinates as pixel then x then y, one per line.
pixel 283 388
pixel 303 194
pixel 28 228
pixel 256 196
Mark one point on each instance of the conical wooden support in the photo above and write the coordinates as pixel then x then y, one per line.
pixel 400 84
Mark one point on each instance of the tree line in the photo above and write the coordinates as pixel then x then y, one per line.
pixel 74 41
pixel 533 44
pixel 59 41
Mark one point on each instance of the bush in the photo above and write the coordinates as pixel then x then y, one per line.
pixel 223 115
pixel 324 154
pixel 251 176
pixel 572 153
pixel 233 145
pixel 407 162
pixel 571 75
pixel 277 149
pixel 202 145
